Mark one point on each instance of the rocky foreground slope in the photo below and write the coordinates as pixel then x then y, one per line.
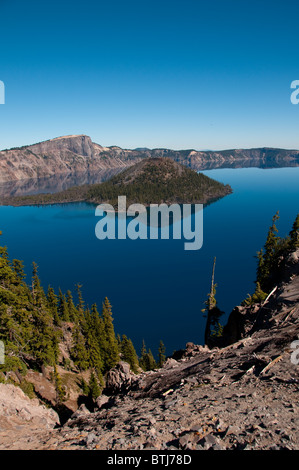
pixel 77 154
pixel 243 395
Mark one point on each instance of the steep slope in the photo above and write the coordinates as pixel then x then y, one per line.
pixel 77 154
pixel 242 396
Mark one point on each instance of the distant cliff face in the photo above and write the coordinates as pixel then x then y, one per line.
pixel 77 144
pixel 77 154
pixel 63 155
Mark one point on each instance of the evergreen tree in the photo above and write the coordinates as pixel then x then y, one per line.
pixel 72 311
pixel 18 267
pixel 143 354
pixel 129 354
pixel 294 234
pixel 84 387
pixel 161 354
pixel 43 342
pixel 111 354
pixel 63 310
pixel 213 327
pixel 53 305
pixel 99 333
pixel 80 305
pixel 258 296
pixel 38 294
pixel 31 326
pixel 94 387
pixel 15 313
pixel 150 361
pixel 267 258
pixel 147 361
pixel 118 339
pixel 60 390
pixel 78 351
pixel 94 354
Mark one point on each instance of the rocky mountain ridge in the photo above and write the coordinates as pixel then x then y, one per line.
pixel 242 394
pixel 77 154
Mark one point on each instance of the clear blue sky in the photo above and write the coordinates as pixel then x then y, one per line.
pixel 177 74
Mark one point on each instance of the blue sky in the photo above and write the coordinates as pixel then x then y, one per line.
pixel 176 74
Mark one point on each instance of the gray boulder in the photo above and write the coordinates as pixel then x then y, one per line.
pixel 119 379
pixel 14 404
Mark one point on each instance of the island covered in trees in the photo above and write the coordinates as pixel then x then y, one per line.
pixel 151 181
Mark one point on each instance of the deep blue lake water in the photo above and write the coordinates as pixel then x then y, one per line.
pixel 156 288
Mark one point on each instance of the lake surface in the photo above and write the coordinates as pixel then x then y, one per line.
pixel 156 288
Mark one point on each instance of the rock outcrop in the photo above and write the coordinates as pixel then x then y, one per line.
pixel 119 379
pixel 16 407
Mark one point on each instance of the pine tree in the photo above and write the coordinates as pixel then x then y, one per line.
pixel 147 360
pixel 213 327
pixel 63 310
pixel 15 313
pixel 38 294
pixel 294 234
pixel 151 363
pixel 94 387
pixel 118 339
pixel 94 355
pixel 99 332
pixel 161 354
pixel 72 311
pixel 129 354
pixel 80 305
pixel 18 267
pixel 60 390
pixel 267 258
pixel 143 355
pixel 84 387
pixel 111 354
pixel 53 305
pixel 78 351
pixel 43 342
pixel 258 296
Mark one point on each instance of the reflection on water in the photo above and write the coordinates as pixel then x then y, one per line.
pixel 54 184
pixel 248 163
